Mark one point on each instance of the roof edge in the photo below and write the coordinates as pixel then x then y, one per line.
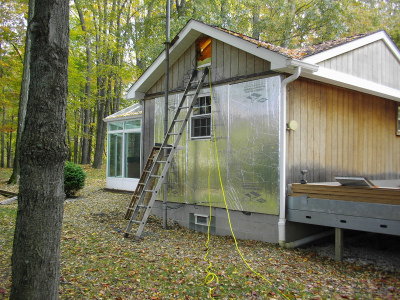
pixel 362 41
pixel 358 84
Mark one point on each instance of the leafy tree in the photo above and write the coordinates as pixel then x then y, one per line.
pixel 12 30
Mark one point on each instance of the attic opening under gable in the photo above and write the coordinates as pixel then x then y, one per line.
pixel 203 52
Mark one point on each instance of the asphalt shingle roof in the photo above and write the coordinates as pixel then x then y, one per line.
pixel 298 53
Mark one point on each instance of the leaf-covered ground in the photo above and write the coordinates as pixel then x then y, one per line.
pixel 98 263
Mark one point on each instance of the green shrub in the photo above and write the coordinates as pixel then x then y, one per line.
pixel 74 178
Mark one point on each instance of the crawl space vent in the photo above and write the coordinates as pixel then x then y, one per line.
pixel 199 222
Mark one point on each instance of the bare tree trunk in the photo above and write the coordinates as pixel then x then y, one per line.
pixel 9 149
pixel 23 98
pixel 69 147
pixel 85 138
pixel 86 122
pixel 102 112
pixel 256 23
pixel 76 138
pixel 3 141
pixel 36 249
pixel 91 133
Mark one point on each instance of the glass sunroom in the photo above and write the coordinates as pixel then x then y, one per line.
pixel 124 148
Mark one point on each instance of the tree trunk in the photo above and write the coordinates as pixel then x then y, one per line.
pixel 76 138
pixel 3 141
pixel 91 133
pixel 102 112
pixel 9 150
pixel 256 23
pixel 85 138
pixel 69 147
pixel 86 124
pixel 23 98
pixel 36 249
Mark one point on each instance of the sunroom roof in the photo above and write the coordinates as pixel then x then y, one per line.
pixel 134 110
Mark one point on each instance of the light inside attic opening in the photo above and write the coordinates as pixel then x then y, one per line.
pixel 203 51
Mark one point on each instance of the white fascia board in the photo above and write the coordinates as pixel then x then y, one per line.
pixel 117 119
pixel 336 51
pixel 305 66
pixel 354 83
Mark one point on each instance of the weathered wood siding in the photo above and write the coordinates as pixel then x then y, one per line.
pixel 147 129
pixel 374 62
pixel 341 132
pixel 226 62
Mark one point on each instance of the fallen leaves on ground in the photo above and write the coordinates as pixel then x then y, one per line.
pixel 98 263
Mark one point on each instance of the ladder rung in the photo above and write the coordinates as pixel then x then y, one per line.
pixel 162 161
pixel 180 120
pixel 136 221
pixel 184 107
pixel 172 133
pixel 143 206
pixel 141 183
pixel 155 176
pixel 168 147
pixel 149 191
pixel 130 208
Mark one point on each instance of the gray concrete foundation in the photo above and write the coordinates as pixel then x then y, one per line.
pixel 245 225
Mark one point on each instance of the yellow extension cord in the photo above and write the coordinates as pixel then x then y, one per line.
pixel 210 275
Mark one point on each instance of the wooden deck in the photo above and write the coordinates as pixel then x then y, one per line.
pixel 348 193
pixel 370 209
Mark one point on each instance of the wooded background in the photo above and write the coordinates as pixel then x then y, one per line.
pixel 113 41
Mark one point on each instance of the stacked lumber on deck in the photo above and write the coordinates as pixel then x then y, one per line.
pixel 348 193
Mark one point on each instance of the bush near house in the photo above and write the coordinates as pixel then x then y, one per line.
pixel 74 178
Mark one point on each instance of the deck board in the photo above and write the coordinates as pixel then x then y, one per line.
pixel 348 193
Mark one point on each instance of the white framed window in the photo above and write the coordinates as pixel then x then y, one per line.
pixel 201 219
pixel 200 122
pixel 124 149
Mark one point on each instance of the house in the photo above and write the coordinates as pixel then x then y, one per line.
pixel 265 115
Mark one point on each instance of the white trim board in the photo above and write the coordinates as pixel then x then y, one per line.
pixel 355 83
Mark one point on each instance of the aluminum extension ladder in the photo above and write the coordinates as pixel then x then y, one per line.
pixel 141 183
pixel 142 206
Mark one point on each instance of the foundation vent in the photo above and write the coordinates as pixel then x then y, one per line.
pixel 200 222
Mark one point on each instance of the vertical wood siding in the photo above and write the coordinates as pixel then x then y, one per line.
pixel 374 62
pixel 226 62
pixel 147 129
pixel 341 132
